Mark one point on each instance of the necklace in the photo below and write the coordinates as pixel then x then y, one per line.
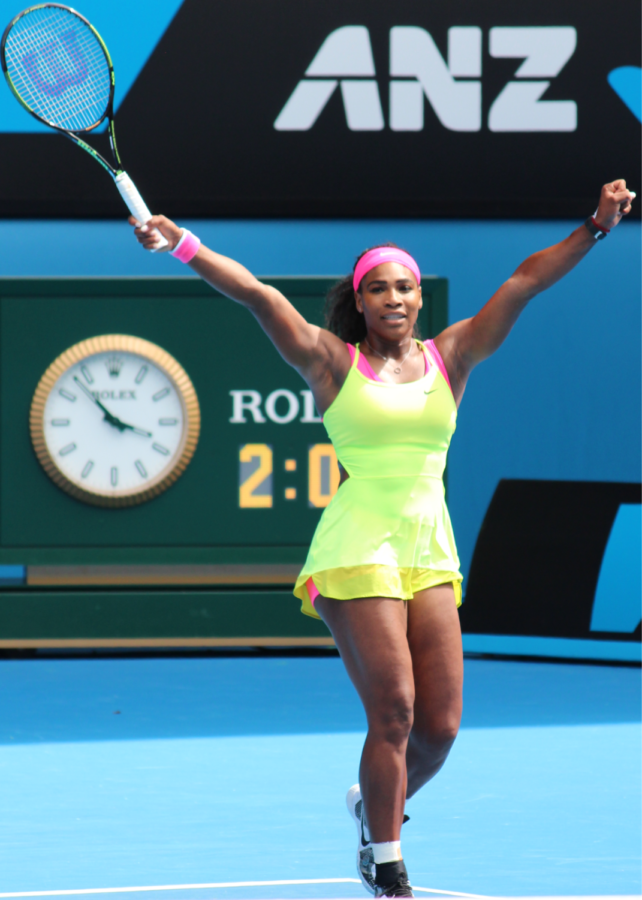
pixel 387 359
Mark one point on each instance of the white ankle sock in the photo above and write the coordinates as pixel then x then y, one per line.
pixel 389 851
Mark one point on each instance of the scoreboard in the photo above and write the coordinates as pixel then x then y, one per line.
pixel 212 558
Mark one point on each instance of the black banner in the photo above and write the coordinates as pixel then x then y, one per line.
pixel 355 108
pixel 557 559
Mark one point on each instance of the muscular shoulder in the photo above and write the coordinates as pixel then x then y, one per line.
pixel 330 358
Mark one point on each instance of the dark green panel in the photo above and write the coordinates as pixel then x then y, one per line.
pixel 51 615
pixel 435 294
pixel 222 348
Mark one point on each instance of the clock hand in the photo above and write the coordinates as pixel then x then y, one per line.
pixel 108 416
pixel 113 420
pixel 123 425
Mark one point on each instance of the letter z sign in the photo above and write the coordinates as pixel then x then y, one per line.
pixel 453 87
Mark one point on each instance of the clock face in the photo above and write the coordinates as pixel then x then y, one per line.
pixel 115 420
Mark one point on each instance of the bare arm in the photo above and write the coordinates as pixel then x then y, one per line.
pixel 467 343
pixel 317 354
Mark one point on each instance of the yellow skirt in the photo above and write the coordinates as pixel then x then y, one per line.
pixel 372 581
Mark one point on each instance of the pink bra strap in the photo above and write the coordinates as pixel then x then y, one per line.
pixel 436 355
pixel 363 365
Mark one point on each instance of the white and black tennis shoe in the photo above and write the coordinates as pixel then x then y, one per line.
pixel 365 855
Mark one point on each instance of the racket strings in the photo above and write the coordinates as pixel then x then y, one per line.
pixel 54 83
pixel 57 75
pixel 59 68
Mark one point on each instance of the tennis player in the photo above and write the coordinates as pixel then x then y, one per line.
pixel 382 571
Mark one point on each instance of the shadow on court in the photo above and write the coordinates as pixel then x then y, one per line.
pixel 72 700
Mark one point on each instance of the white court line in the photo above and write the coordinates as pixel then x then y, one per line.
pixel 230 884
pixel 451 893
pixel 225 884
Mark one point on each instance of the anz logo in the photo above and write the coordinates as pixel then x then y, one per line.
pixel 453 87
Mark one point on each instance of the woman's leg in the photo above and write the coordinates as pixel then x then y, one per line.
pixel 371 636
pixel 434 638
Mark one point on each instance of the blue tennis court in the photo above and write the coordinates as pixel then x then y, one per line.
pixel 210 771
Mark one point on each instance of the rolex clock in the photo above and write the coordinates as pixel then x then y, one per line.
pixel 114 420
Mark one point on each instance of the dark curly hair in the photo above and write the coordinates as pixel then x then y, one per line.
pixel 341 315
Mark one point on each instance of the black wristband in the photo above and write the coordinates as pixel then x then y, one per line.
pixel 598 233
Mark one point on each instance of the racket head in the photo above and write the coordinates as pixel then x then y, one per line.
pixel 58 67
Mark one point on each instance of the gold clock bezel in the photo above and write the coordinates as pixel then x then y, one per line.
pixel 160 358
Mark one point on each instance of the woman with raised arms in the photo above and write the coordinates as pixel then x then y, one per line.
pixel 382 571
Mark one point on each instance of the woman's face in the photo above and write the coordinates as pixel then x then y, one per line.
pixel 390 300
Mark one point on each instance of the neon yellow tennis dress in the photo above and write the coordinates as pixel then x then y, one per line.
pixel 386 532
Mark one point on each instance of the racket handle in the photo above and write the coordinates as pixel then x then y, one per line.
pixel 136 204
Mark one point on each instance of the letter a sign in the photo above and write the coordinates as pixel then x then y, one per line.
pixel 346 57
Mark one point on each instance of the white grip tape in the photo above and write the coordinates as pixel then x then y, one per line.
pixel 136 204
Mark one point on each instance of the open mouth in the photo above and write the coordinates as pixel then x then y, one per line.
pixel 394 316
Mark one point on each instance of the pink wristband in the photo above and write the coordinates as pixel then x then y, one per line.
pixel 187 247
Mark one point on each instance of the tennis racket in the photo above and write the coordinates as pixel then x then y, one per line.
pixel 60 70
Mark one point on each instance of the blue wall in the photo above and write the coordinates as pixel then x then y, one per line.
pixel 561 399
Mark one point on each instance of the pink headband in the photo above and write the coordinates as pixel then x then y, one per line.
pixel 382 255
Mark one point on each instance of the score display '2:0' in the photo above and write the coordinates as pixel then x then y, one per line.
pixel 256 467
